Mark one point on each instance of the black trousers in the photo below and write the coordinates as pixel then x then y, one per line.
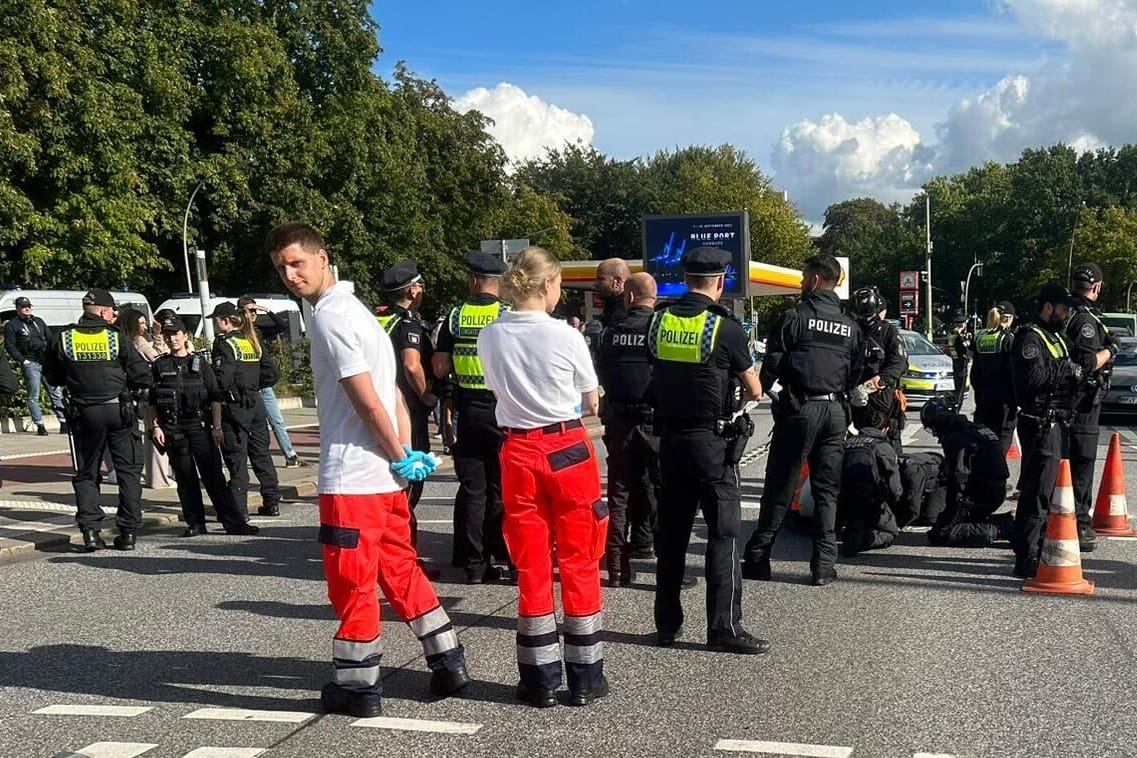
pixel 634 483
pixel 97 428
pixel 478 509
pixel 695 476
pixel 959 380
pixel 1042 450
pixel 191 452
pixel 998 414
pixel 420 440
pixel 816 433
pixel 244 441
pixel 1083 453
pixel 966 521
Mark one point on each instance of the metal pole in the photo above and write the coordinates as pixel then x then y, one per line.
pixel 1070 258
pixel 1128 292
pixel 203 296
pixel 967 286
pixel 928 225
pixel 185 232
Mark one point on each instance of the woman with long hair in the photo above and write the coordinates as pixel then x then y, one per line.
pixel 541 374
pixel 136 327
pixel 242 369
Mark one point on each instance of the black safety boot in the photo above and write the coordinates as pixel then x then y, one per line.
pixel 335 699
pixel 757 569
pixel 125 541
pixel 269 509
pixel 1087 538
pixel 445 681
pixel 63 428
pixel 1004 525
pixel 743 643
pixel 1026 568
pixel 590 695
pixel 641 553
pixel 92 541
pixel 536 698
pixel 667 639
pixel 824 577
pixel 195 530
pixel 243 530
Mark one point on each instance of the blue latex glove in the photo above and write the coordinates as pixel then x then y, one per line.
pixel 416 466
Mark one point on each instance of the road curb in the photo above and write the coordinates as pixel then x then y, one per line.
pixel 153 516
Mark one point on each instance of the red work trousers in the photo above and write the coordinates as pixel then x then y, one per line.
pixel 551 491
pixel 367 541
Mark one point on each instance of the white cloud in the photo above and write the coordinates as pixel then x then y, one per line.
pixel 525 125
pixel 1081 98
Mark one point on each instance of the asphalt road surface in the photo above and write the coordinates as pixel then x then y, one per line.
pixel 218 646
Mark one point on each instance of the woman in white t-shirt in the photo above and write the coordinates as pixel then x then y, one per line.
pixel 541 374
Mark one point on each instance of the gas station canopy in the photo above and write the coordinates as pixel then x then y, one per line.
pixel 764 278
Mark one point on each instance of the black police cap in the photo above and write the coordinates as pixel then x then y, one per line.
pixel 402 274
pixel 1006 307
pixel 223 309
pixel 100 297
pixel 705 261
pixel 484 264
pixel 23 302
pixel 1054 294
pixel 172 323
pixel 959 318
pixel 1090 273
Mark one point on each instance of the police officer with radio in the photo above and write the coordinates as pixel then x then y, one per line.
pixel 960 343
pixel 815 353
pixel 478 509
pixel 1093 348
pixel 184 401
pixel 701 371
pixel 102 373
pixel 1045 380
pixel 634 478
pixel 885 362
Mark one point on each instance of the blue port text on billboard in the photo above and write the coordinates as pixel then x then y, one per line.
pixel 666 238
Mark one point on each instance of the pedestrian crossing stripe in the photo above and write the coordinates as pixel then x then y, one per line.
pixel 125 711
pixel 243 714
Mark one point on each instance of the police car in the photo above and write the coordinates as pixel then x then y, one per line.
pixel 1122 395
pixel 929 370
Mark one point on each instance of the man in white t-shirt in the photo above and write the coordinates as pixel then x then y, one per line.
pixel 364 457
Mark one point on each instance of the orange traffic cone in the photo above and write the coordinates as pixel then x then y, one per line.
pixel 795 504
pixel 1013 452
pixel 1060 572
pixel 1111 516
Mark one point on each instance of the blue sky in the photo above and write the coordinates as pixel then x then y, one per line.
pixel 654 75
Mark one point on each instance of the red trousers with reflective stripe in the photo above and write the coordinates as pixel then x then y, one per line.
pixel 550 485
pixel 367 541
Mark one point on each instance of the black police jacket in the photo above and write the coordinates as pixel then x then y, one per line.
pixel 26 339
pixel 885 354
pixel 973 458
pixel 870 471
pixel 623 360
pixel 410 333
pixel 991 374
pixel 95 362
pixel 184 387
pixel 1087 335
pixel 1043 381
pixel 241 381
pixel 814 348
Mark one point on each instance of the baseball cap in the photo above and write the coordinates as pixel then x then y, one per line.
pixel 1006 307
pixel 171 323
pixel 1055 294
pixel 98 296
pixel 23 302
pixel 1090 273
pixel 224 309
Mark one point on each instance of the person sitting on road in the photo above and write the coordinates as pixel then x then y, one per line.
pixel 976 474
pixel 870 487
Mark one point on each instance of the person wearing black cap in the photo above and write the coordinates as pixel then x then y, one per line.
pixel 886 360
pixel 1092 347
pixel 405 287
pixel 185 399
pixel 1045 380
pixel 478 509
pixel 102 371
pixel 815 353
pixel 960 343
pixel 701 371
pixel 243 368
pixel 26 338
pixel 276 326
pixel 991 380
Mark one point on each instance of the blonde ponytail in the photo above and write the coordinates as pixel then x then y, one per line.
pixel 528 272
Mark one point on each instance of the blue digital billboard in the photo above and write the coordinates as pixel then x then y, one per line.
pixel 667 237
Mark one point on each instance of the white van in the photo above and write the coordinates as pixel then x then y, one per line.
pixel 188 308
pixel 62 307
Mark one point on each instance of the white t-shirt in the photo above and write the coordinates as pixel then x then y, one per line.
pixel 347 341
pixel 537 367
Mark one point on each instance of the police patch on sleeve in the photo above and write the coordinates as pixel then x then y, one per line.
pixel 1088 330
pixel 1030 352
pixel 412 338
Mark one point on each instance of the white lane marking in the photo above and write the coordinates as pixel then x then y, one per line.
pixel 271 520
pixel 784 748
pixel 17 456
pixel 224 752
pixel 242 714
pixel 116 749
pixel 909 433
pixel 751 504
pixel 418 725
pixel 1123 539
pixel 127 711
pixel 933 755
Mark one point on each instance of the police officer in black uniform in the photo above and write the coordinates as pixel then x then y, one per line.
pixel 700 358
pixel 1093 348
pixel 184 401
pixel 634 479
pixel 886 360
pixel 815 352
pixel 1045 381
pixel 404 286
pixel 478 509
pixel 960 353
pixel 102 373
pixel 991 377
pixel 612 276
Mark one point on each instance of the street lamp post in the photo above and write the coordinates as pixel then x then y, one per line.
pixel 975 268
pixel 1128 292
pixel 185 233
pixel 1070 257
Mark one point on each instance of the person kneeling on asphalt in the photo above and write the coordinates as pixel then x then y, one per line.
pixel 870 488
pixel 185 398
pixel 976 474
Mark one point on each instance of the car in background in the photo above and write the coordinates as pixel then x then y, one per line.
pixel 1121 324
pixel 1122 395
pixel 929 369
